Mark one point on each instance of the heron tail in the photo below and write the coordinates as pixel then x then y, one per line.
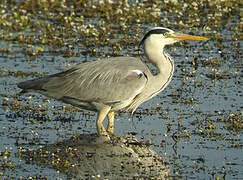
pixel 31 85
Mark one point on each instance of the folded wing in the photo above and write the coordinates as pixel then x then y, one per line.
pixel 106 81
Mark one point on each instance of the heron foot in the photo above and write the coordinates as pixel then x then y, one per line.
pixel 110 131
pixel 101 116
pixel 101 138
pixel 102 131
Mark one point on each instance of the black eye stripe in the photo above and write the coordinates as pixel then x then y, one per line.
pixel 153 31
pixel 157 31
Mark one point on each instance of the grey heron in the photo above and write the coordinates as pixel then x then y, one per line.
pixel 116 83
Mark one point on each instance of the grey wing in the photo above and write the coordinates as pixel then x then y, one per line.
pixel 105 82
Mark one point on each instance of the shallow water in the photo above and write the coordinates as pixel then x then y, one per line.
pixel 195 123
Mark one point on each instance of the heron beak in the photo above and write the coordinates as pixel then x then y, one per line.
pixel 185 37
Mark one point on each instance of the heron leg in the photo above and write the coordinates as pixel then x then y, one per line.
pixel 101 116
pixel 110 127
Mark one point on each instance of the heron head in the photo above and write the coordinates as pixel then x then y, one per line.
pixel 160 36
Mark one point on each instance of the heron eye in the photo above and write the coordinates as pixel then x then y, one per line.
pixel 166 34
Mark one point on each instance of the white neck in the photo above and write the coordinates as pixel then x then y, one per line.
pixel 162 62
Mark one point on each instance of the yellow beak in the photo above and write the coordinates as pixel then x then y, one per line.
pixel 185 37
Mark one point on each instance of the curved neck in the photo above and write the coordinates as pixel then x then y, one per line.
pixel 164 65
pixel 161 61
pixel 157 83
